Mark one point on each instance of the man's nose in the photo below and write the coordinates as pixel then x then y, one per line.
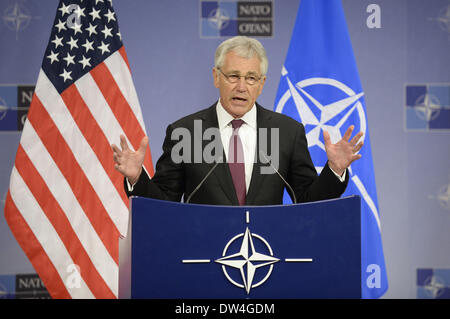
pixel 241 85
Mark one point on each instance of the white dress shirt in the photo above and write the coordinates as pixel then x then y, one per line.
pixel 247 134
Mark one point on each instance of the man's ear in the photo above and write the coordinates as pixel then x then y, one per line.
pixel 215 77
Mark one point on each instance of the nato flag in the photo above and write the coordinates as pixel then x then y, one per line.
pixel 320 88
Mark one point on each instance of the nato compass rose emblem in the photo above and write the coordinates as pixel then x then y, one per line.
pixel 247 260
pixel 330 117
pixel 443 19
pixel 17 17
pixel 443 196
pixel 219 19
pixel 343 107
pixel 434 286
pixel 427 107
pixel 3 108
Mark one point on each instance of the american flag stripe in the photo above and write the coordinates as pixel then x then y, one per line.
pixel 64 158
pixel 100 110
pixel 98 142
pixel 45 233
pixel 63 197
pixel 82 152
pixel 59 220
pixel 120 70
pixel 66 205
pixel 34 250
pixel 120 107
pixel 125 59
pixel 121 74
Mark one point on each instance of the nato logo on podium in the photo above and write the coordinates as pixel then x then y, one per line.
pixel 240 253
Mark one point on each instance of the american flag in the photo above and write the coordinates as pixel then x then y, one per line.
pixel 66 205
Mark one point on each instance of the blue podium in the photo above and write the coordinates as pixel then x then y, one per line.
pixel 177 250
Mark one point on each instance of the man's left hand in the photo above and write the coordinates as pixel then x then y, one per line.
pixel 342 154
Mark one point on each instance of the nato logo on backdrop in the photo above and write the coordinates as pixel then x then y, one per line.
pixel 14 103
pixel 433 283
pixel 427 107
pixel 17 16
pixel 22 286
pixel 231 18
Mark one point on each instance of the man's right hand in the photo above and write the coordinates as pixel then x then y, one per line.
pixel 129 163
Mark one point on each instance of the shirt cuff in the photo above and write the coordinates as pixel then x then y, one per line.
pixel 341 178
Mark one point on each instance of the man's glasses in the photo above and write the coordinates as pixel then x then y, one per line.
pixel 250 79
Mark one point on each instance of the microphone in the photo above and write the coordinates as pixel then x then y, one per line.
pixel 282 178
pixel 203 180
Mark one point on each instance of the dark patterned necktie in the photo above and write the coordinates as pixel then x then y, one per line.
pixel 236 162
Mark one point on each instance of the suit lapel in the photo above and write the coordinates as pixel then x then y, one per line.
pixel 222 171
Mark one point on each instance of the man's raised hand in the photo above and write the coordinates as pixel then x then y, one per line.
pixel 342 154
pixel 128 162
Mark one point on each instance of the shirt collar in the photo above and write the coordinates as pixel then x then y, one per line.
pixel 224 118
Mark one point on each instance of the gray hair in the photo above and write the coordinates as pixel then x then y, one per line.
pixel 244 47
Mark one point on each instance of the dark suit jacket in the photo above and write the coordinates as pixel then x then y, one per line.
pixel 173 181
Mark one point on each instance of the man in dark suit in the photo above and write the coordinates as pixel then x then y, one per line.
pixel 260 152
